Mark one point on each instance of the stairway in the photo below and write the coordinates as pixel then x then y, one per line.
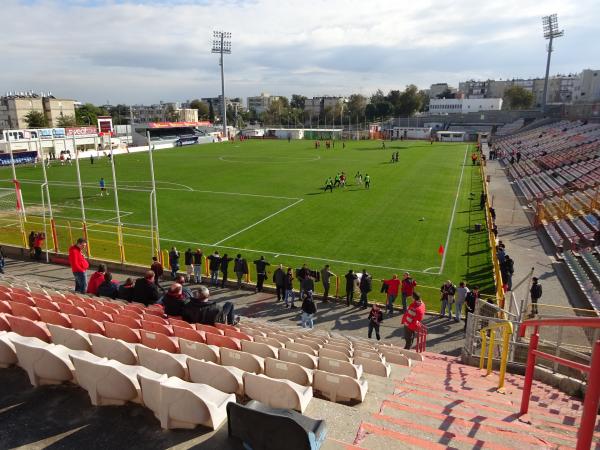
pixel 443 403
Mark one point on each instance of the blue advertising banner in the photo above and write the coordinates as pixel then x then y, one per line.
pixel 20 158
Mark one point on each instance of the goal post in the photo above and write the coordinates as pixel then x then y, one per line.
pixel 11 215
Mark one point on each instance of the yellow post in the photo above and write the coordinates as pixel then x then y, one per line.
pixel 491 351
pixel 483 344
pixel 165 258
pixel 70 233
pixel 506 332
pixel 121 244
pixel 86 237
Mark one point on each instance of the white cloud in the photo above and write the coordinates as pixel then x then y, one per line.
pixel 146 51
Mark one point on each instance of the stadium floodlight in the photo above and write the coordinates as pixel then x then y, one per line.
pixel 222 45
pixel 551 31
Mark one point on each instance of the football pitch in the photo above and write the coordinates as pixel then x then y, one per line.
pixel 263 197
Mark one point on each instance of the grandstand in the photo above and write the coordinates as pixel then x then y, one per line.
pixel 150 371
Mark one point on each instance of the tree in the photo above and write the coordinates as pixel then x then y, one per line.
pixel 87 114
pixel 447 93
pixel 202 107
pixel 410 101
pixel 170 114
pixel 371 111
pixel 384 109
pixel 424 100
pixel 356 106
pixel 298 101
pixel 36 119
pixel 518 98
pixel 66 121
pixel 120 114
pixel 211 112
pixel 377 97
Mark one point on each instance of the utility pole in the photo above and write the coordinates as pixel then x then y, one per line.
pixel 551 31
pixel 222 45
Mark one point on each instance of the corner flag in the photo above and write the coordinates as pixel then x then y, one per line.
pixel 441 250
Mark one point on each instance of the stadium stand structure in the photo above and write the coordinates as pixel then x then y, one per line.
pixel 559 175
pixel 381 394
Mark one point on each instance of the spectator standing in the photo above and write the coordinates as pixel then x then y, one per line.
pixel 188 258
pixel 145 290
pixel 31 241
pixel 279 281
pixel 536 294
pixel 365 287
pixel 240 267
pixel 225 260
pixel 482 200
pixel 38 242
pixel 125 290
pixel 412 319
pixel 289 288
pixel 261 273
pixel 309 309
pixel 351 278
pixel 197 261
pixel 214 263
pixel 408 288
pixel 308 284
pixel 326 275
pixel 393 286
pixel 447 290
pixel 173 300
pixel 471 301
pixel 96 280
pixel 2 261
pixel 507 269
pixel 108 288
pixel 375 319
pixel 461 296
pixel 302 274
pixel 79 265
pixel 501 254
pixel 174 262
pixel 157 268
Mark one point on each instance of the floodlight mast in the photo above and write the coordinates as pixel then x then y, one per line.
pixel 222 45
pixel 551 31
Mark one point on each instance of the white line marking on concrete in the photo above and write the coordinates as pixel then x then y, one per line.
pixel 453 211
pixel 259 222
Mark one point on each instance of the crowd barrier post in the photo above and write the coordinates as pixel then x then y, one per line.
pixel 71 242
pixel 87 239
pixel 54 235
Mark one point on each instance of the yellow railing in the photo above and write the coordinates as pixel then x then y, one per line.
pixel 507 330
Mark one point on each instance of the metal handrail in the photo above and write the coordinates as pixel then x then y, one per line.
pixel 592 396
pixel 507 331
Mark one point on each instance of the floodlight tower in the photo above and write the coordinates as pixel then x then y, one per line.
pixel 551 31
pixel 222 45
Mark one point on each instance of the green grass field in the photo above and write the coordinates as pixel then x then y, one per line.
pixel 266 198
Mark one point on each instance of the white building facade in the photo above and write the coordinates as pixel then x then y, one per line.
pixel 463 105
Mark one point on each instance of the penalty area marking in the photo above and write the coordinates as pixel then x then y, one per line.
pixel 279 160
pixel 453 211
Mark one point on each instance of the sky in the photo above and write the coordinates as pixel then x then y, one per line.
pixel 142 52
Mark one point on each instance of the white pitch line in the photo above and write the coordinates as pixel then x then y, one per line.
pixel 108 220
pixel 259 222
pixel 453 211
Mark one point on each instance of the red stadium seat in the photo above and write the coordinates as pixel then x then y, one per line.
pixel 5 307
pixel 160 341
pixel 222 326
pixel 181 323
pixel 107 309
pixel 22 310
pixel 138 308
pixel 154 327
pixel 29 328
pixel 155 319
pixel 223 341
pixel 189 334
pixel 98 315
pixel 111 305
pixel 123 332
pixel 155 312
pixel 130 313
pixel 239 335
pixel 54 317
pixel 86 324
pixel 209 329
pixel 130 322
pixel 5 295
pixel 71 309
pixel 4 325
pixel 21 298
pixel 46 304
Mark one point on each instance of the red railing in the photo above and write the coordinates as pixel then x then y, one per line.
pixel 421 338
pixel 592 396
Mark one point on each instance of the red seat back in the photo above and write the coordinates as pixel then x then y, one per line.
pixel 130 313
pixel 223 341
pixel 98 315
pixel 21 298
pixel 71 310
pixel 123 332
pixel 154 327
pixel 208 329
pixel 5 307
pixel 86 324
pixel 5 295
pixel 138 308
pixel 189 334
pixel 29 328
pixel 127 321
pixel 239 335
pixel 155 319
pixel 223 326
pixel 23 310
pixel 54 317
pixel 159 341
pixel 106 309
pixel 109 305
pixel 154 311
pixel 4 325
pixel 46 304
pixel 181 323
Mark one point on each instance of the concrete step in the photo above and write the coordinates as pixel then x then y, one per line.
pixel 473 424
pixel 334 444
pixel 376 437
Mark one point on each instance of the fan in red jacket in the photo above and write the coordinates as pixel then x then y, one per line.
pixel 96 280
pixel 408 288
pixel 412 319
pixel 79 265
